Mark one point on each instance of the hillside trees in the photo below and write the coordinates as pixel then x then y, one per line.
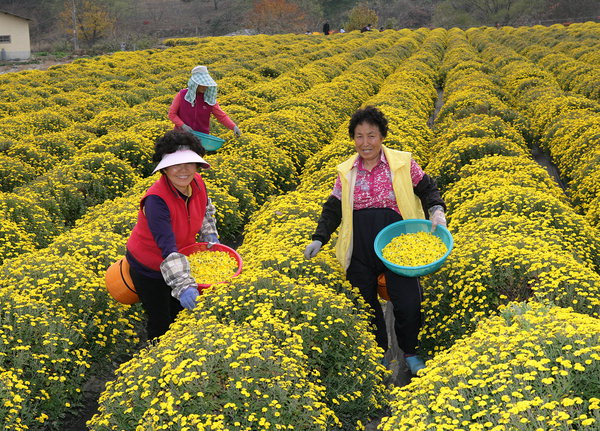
pixel 468 13
pixel 482 12
pixel 87 21
pixel 361 16
pixel 277 16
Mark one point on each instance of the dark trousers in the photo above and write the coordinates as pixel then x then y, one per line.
pixel 404 292
pixel 161 308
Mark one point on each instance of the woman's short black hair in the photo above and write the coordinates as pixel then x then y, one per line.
pixel 172 140
pixel 368 114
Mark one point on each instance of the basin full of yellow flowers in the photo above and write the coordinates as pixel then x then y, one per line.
pixel 410 249
pixel 215 265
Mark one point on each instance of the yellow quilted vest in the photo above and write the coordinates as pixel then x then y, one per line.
pixel 408 203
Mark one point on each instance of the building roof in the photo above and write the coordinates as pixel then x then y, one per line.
pixel 14 14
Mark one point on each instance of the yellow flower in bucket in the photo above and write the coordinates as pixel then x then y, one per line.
pixel 210 267
pixel 414 249
pixel 214 265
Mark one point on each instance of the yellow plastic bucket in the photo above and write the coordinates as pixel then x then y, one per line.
pixel 119 284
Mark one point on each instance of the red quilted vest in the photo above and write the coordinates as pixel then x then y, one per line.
pixel 186 220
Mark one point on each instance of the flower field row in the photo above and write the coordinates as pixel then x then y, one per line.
pixel 574 66
pixel 580 41
pixel 495 191
pixel 567 124
pixel 280 295
pixel 287 345
pixel 99 237
pixel 516 239
pixel 95 163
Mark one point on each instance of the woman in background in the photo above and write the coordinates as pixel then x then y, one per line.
pixel 192 107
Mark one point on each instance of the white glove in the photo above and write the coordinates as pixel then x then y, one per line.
pixel 312 249
pixel 187 128
pixel 237 131
pixel 438 218
pixel 212 239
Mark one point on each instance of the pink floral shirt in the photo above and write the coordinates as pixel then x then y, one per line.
pixel 373 189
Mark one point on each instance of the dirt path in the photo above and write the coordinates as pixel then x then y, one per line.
pixel 9 67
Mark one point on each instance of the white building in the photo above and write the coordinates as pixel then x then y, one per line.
pixel 14 37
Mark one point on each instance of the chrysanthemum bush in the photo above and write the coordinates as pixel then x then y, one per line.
pixel 457 153
pixel 14 240
pixel 535 205
pixel 210 375
pixel 579 130
pixel 33 155
pixel 512 259
pixel 14 172
pixel 42 352
pixel 479 126
pixel 531 367
pixel 68 190
pixel 13 392
pixel 127 146
pixel 561 120
pixel 57 310
pixel 236 170
pixel 489 172
pixel 341 352
pixel 69 284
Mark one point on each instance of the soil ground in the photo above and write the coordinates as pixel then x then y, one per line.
pixel 9 67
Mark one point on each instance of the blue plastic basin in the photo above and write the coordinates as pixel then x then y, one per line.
pixel 412 226
pixel 209 142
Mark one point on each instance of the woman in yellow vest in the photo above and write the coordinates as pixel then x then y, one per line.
pixel 374 188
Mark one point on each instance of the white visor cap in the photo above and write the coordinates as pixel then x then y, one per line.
pixel 179 157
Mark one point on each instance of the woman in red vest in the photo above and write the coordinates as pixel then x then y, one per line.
pixel 191 108
pixel 173 211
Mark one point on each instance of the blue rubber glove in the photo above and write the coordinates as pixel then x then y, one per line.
pixel 188 298
pixel 212 239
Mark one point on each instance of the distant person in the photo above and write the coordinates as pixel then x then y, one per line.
pixel 192 107
pixel 381 28
pixel 366 28
pixel 342 30
pixel 326 28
